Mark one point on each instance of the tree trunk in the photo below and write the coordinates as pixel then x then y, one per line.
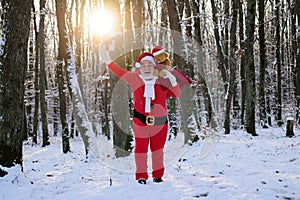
pixel 232 64
pixel 62 50
pixel 297 9
pixel 42 82
pixel 36 84
pixel 122 134
pixel 243 57
pixel 13 61
pixel 250 68
pixel 29 82
pixel 222 65
pixel 188 13
pixel 80 5
pixel 262 68
pixel 66 57
pixel 225 34
pixel 290 127
pixel 186 100
pixel 105 110
pixel 278 65
pixel 211 120
pixel 138 17
pixel 122 128
pixel 177 61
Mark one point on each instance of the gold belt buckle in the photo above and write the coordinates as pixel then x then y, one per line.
pixel 150 120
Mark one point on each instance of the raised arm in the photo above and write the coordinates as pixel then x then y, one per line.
pixel 117 70
pixel 114 67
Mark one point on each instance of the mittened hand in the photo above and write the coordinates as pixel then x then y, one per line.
pixel 162 74
pixel 104 54
pixel 171 77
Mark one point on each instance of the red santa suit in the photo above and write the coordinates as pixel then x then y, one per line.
pixel 150 124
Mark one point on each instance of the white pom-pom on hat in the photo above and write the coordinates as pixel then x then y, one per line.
pixel 137 65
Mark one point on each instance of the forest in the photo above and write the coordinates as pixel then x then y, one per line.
pixel 243 57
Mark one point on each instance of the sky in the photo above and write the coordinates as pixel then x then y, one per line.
pixel 234 166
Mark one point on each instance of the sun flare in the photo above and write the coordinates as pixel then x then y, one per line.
pixel 101 22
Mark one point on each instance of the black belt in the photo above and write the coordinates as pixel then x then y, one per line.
pixel 150 120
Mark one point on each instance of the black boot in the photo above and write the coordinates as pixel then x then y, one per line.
pixel 157 180
pixel 142 181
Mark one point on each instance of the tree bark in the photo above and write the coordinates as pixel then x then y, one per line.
pixel 278 66
pixel 242 65
pixel 250 68
pixel 43 77
pixel 297 9
pixel 138 17
pixel 262 68
pixel 80 5
pixel 122 129
pixel 186 100
pixel 122 132
pixel 232 68
pixel 222 65
pixel 62 51
pixel 29 82
pixel 290 127
pixel 211 120
pixel 13 62
pixel 36 83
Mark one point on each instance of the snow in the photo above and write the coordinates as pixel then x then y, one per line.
pixel 290 119
pixel 2 43
pixel 234 166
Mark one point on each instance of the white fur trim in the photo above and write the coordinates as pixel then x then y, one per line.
pixel 159 52
pixel 137 65
pixel 149 58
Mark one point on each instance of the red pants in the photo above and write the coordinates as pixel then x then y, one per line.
pixel 155 136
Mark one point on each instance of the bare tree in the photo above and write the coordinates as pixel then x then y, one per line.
pixel 195 6
pixel 278 66
pixel 121 124
pixel 80 5
pixel 222 65
pixel 250 68
pixel 232 66
pixel 262 71
pixel 242 62
pixel 186 101
pixel 42 83
pixel 62 56
pixel 13 62
pixel 297 9
pixel 36 81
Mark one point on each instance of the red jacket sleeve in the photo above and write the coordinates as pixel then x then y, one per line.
pixel 120 72
pixel 174 91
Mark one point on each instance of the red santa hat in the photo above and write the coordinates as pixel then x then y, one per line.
pixel 158 50
pixel 145 56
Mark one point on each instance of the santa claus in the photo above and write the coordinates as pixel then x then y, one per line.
pixel 150 122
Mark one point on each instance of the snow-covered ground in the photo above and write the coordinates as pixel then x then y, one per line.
pixel 236 166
